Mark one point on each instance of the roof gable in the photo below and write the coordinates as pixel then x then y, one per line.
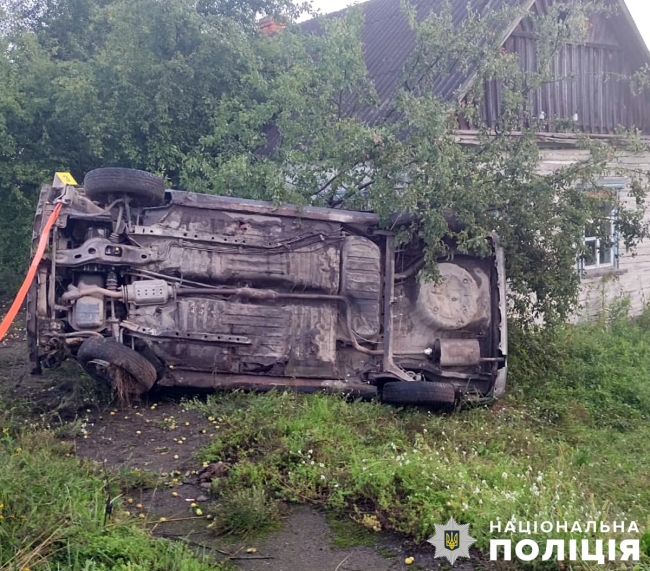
pixel 388 41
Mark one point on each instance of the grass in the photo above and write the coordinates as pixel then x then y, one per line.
pixel 246 512
pixel 346 532
pixel 570 442
pixel 52 505
pixel 52 513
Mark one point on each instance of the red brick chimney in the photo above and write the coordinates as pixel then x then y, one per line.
pixel 268 26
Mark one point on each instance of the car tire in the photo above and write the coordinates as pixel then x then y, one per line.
pixel 107 360
pixel 418 392
pixel 144 188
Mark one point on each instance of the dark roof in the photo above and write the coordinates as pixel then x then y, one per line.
pixel 388 41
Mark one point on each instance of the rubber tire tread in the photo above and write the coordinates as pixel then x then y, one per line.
pixel 145 188
pixel 418 392
pixel 109 350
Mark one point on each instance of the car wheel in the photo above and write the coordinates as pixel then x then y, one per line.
pixel 144 188
pixel 111 362
pixel 418 392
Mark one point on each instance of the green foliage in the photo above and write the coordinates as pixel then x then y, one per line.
pixel 192 91
pixel 570 442
pixel 52 513
pixel 597 373
pixel 645 543
pixel 85 84
pixel 246 512
pixel 293 134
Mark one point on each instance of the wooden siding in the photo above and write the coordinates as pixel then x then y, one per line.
pixel 631 280
pixel 589 80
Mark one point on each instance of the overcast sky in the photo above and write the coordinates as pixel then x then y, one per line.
pixel 640 10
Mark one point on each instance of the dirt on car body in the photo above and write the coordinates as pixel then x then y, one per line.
pixel 150 287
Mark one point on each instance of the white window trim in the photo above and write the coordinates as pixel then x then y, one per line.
pixel 612 249
pixel 614 256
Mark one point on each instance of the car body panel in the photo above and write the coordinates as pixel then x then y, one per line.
pixel 220 291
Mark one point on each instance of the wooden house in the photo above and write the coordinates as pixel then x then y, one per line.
pixel 587 97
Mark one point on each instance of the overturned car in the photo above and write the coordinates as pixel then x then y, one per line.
pixel 147 287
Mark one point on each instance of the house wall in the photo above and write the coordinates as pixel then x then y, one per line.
pixel 631 279
pixel 589 92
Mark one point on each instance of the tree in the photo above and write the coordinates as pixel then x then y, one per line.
pixel 117 82
pixel 293 133
pixel 189 89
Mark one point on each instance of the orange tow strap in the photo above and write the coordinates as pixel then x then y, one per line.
pixel 38 256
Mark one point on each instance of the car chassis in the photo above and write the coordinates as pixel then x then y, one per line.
pixel 147 286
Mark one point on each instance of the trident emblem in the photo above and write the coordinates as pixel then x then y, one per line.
pixel 451 539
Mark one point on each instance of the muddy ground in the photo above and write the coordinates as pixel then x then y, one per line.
pixel 154 443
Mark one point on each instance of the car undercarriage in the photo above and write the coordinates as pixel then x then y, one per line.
pixel 146 286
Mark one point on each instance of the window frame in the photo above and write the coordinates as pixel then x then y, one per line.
pixel 613 248
pixel 614 251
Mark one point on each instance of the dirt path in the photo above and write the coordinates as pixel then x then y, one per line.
pixel 161 437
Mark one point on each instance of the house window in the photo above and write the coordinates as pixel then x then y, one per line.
pixel 601 242
pixel 601 237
